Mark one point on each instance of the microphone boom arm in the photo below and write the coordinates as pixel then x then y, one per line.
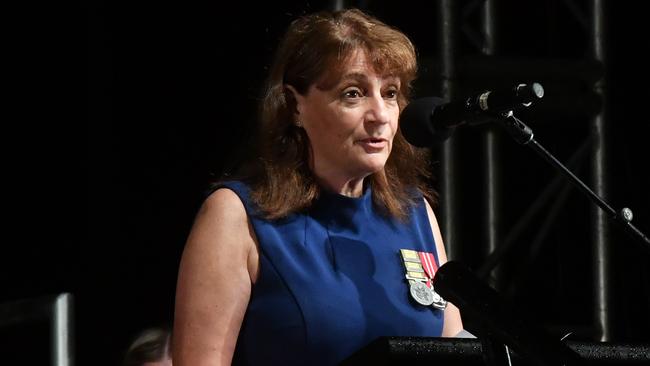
pixel 523 134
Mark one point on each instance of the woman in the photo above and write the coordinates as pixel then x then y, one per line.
pixel 300 262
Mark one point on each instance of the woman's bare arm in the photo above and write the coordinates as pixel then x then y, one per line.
pixel 217 269
pixel 453 323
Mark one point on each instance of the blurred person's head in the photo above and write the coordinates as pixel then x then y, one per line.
pixel 151 347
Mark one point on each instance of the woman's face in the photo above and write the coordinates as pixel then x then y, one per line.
pixel 352 124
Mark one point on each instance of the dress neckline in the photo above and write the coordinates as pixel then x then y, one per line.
pixel 347 209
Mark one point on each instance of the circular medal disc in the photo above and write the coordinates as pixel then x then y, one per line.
pixel 421 293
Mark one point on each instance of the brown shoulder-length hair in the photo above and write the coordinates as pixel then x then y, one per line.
pixel 313 49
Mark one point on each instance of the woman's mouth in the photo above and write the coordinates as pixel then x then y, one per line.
pixel 373 144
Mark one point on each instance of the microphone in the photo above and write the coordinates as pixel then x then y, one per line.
pixel 426 121
pixel 491 318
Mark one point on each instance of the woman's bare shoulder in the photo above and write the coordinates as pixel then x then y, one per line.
pixel 221 219
pixel 224 201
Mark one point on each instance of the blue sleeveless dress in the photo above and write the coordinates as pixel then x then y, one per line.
pixel 331 281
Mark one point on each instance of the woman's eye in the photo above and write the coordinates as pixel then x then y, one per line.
pixel 353 93
pixel 392 94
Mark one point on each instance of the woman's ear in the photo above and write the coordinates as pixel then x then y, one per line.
pixel 294 99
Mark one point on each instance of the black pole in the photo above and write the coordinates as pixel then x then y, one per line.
pixel 492 197
pixel 449 154
pixel 600 235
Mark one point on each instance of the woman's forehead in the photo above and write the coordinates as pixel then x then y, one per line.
pixel 355 66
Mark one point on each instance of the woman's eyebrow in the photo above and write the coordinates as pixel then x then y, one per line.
pixel 357 76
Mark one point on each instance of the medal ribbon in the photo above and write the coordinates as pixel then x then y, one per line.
pixel 429 265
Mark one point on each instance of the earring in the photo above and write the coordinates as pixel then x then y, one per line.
pixel 298 124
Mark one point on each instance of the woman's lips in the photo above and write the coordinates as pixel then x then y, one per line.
pixel 373 144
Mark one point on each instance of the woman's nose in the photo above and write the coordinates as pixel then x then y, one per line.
pixel 377 110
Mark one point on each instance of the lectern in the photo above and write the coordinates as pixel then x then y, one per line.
pixel 412 351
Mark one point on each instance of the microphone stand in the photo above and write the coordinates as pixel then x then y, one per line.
pixel 488 316
pixel 523 134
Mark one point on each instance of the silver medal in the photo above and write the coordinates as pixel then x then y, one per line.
pixel 438 302
pixel 422 293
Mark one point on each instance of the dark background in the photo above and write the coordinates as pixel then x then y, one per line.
pixel 124 111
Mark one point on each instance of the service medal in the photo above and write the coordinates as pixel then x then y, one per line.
pixel 422 293
pixel 438 301
pixel 420 269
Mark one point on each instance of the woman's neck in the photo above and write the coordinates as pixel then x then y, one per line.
pixel 345 187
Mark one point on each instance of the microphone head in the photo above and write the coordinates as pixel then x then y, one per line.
pixel 416 122
pixel 538 90
pixel 527 94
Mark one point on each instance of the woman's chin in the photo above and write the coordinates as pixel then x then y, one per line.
pixel 373 166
